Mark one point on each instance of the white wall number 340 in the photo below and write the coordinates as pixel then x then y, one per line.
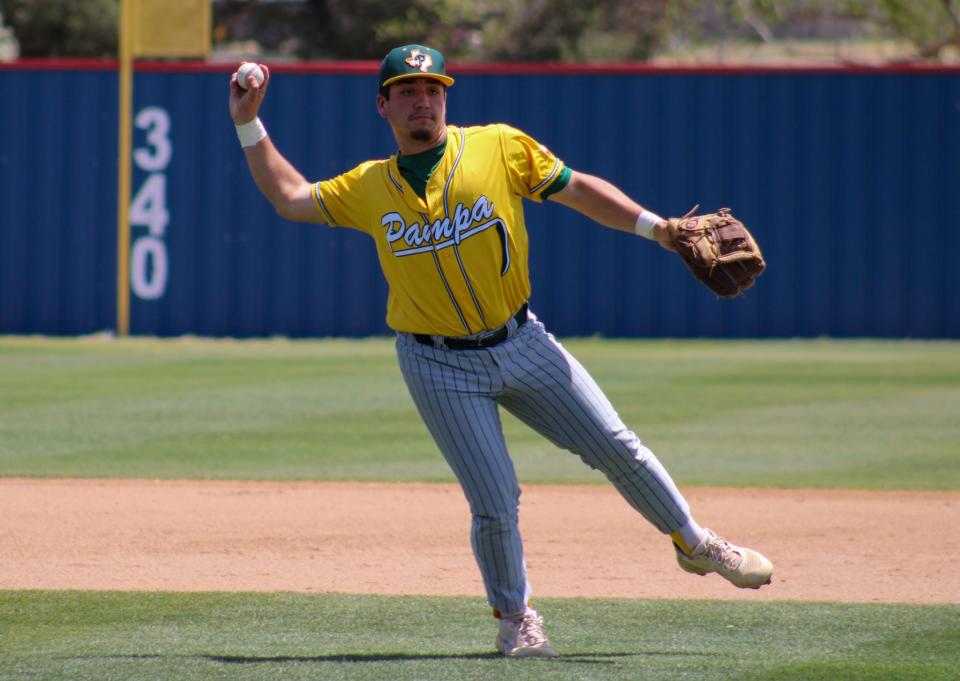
pixel 149 266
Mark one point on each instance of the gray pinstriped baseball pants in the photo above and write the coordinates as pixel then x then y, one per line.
pixel 532 376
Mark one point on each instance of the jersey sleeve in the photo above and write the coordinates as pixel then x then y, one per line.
pixel 533 168
pixel 341 201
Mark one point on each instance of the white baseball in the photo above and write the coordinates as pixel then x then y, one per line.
pixel 248 68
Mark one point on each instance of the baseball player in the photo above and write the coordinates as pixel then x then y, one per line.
pixel 446 215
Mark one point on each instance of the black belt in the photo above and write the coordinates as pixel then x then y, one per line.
pixel 496 336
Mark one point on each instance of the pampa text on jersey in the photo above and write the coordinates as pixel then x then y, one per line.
pixel 442 232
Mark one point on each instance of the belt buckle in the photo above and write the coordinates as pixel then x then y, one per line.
pixel 493 338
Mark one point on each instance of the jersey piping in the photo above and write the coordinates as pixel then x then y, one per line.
pixel 446 284
pixel 393 179
pixel 323 206
pixel 548 179
pixel 456 246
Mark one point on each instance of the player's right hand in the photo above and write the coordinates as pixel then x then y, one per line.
pixel 244 104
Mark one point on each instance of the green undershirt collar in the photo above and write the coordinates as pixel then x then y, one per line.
pixel 417 168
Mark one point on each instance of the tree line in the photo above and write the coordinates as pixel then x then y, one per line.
pixel 504 30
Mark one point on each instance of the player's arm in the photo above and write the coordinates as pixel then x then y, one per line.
pixel 606 204
pixel 282 184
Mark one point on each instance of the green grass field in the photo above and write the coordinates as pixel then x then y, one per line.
pixel 852 414
pixel 187 637
pixel 874 415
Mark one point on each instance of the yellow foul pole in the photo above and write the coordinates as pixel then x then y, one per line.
pixel 127 9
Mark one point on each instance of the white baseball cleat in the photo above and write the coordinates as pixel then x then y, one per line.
pixel 742 567
pixel 523 636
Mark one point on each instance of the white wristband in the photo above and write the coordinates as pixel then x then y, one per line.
pixel 645 222
pixel 250 133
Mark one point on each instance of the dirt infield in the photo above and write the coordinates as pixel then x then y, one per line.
pixel 413 539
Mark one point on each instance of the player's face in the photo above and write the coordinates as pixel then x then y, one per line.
pixel 416 110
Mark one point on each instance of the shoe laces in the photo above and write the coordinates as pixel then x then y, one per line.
pixel 722 551
pixel 531 630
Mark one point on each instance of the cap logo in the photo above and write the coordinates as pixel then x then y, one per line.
pixel 418 60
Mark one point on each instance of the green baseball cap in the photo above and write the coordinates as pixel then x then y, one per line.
pixel 413 61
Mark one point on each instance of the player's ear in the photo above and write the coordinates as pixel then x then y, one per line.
pixel 382 106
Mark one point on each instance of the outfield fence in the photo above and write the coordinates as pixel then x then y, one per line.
pixel 850 178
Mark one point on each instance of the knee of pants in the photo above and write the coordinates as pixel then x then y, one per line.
pixel 621 452
pixel 487 525
pixel 493 501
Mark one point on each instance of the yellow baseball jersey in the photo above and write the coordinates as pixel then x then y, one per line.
pixel 456 261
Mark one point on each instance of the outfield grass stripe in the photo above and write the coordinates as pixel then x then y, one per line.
pixel 843 414
pixel 200 636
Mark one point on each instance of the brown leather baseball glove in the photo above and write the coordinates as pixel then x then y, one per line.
pixel 718 250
